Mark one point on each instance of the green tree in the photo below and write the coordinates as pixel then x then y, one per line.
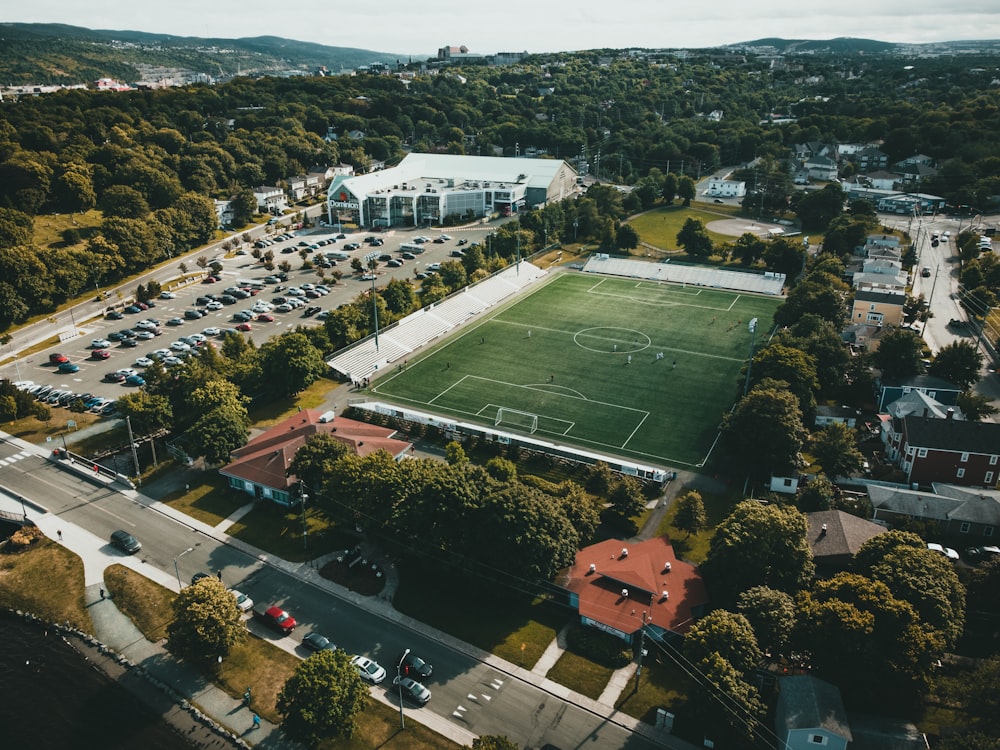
pixel 764 432
pixel 625 502
pixel 758 545
pixel 217 433
pixel 315 460
pixel 795 367
pixel 975 406
pixel 724 633
pixel 771 614
pixel 454 454
pixel 124 202
pixel 816 494
pixel 836 449
pixel 290 363
pixel 821 294
pixel 686 189
pixel 149 411
pixel 958 362
pixel 626 237
pixel 323 698
pixel 748 249
pixel 818 208
pixel 899 354
pixel 206 623
pixel 785 256
pixel 694 239
pixel 723 699
pixel 494 742
pixel 689 515
pixel 398 296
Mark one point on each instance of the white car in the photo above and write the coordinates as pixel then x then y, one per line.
pixel 244 602
pixel 198 338
pixel 100 344
pixel 146 325
pixel 145 335
pixel 283 307
pixel 144 362
pixel 160 353
pixel 262 307
pixel 307 286
pixel 171 361
pixel 369 669
pixel 212 331
pixel 946 551
pixel 214 305
pixel 180 346
pixel 126 371
pixel 168 295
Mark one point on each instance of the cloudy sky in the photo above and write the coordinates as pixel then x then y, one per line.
pixel 419 28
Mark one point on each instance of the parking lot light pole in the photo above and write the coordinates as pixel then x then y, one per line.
pixel 399 684
pixel 370 260
pixel 177 570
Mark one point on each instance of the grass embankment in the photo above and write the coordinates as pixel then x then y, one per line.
pixel 694 547
pixel 659 227
pixel 46 580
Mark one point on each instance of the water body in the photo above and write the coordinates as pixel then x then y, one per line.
pixel 51 696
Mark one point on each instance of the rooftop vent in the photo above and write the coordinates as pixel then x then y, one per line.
pixel 664 595
pixel 667 567
pixel 624 552
pixel 593 568
pixel 624 593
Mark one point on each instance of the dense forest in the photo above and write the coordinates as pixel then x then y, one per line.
pixel 151 161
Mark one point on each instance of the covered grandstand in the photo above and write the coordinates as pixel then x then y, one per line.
pixel 677 273
pixel 399 341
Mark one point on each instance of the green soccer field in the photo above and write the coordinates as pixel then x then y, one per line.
pixel 579 358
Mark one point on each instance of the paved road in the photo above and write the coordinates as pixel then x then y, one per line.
pixel 472 690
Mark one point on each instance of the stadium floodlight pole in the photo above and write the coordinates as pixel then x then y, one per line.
pixel 752 327
pixel 370 260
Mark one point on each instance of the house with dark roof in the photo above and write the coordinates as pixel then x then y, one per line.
pixel 878 305
pixel 944 450
pixel 920 404
pixel 809 714
pixel 835 538
pixel 260 468
pixel 957 512
pixel 888 390
pixel 623 588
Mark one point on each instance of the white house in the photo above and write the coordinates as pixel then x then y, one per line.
pixel 821 168
pixel 270 199
pixel 726 188
pixel 224 213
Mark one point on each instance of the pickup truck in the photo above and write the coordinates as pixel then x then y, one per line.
pixel 276 619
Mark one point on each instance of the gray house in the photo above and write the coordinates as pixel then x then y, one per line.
pixel 810 714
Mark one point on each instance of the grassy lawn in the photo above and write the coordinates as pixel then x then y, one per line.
pixel 276 530
pixel 49 227
pixel 272 412
pixel 659 227
pixel 509 624
pixel 209 499
pixel 588 372
pixel 147 604
pixel 46 580
pixel 35 430
pixel 580 674
pixel 694 548
pixel 661 685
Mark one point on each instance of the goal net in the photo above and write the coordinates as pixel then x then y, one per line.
pixel 521 420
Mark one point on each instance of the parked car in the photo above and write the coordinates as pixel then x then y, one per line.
pixel 100 354
pixel 276 619
pixel 68 367
pixel 114 377
pixel 412 690
pixel 369 669
pixel 114 315
pixel 244 327
pixel 462 241
pixel 411 665
pixel 125 542
pixel 981 554
pixel 193 314
pixel 265 318
pixel 144 362
pixel 316 642
pixel 135 380
pixel 244 602
pixel 58 359
pixel 946 551
pixel 100 344
pixel 179 321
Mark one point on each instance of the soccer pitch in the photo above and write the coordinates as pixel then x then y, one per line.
pixel 580 357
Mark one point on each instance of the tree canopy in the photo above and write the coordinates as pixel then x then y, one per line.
pixel 206 623
pixel 323 698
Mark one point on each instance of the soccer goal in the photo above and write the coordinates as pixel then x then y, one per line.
pixel 521 420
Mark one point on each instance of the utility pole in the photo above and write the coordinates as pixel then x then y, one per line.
pixel 135 454
pixel 370 259
pixel 642 650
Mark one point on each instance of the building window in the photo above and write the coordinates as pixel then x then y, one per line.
pixel 988 479
pixel 988 531
pixel 964 528
pixel 960 473
pixel 817 739
pixel 993 460
pixel 922 453
pixel 965 457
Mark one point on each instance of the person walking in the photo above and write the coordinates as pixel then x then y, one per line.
pixel 246 696
pixel 59 534
pixel 102 592
pixel 256 722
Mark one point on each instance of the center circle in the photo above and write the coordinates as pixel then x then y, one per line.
pixel 609 340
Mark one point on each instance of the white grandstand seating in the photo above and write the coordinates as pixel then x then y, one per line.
pixel 684 274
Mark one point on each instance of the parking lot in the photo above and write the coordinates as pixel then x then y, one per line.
pixel 156 333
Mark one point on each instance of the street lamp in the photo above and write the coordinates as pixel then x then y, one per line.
pixel 177 571
pixel 302 499
pixel 399 684
pixel 370 261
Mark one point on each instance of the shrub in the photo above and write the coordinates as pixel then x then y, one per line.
pixel 24 537
pixel 599 647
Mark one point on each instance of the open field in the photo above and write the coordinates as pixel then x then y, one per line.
pixel 659 227
pixel 578 361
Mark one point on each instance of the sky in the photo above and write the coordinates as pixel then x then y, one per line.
pixel 420 28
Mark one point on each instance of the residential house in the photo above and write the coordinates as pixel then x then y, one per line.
pixel 944 450
pixel 835 538
pixel 726 188
pixel 889 389
pixel 224 212
pixel 863 336
pixel 270 199
pixel 829 414
pixel 260 468
pixel 804 151
pixel 617 587
pixel 809 714
pixel 878 305
pixel 916 159
pixel 821 168
pixel 872 732
pixel 880 271
pixel 342 170
pixel 870 159
pixel 920 404
pixel 912 175
pixel 882 179
pixel 956 512
pixel 303 186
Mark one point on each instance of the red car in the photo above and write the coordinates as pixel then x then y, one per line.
pixel 58 359
pixel 265 318
pixel 244 327
pixel 100 354
pixel 209 280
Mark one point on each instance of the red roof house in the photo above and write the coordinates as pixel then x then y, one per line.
pixel 260 468
pixel 616 586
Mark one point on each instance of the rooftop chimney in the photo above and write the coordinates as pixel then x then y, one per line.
pixel 950 414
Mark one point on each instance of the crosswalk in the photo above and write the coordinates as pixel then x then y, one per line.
pixel 14 459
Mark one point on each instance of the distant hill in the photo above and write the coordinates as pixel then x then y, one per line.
pixel 855 46
pixel 60 54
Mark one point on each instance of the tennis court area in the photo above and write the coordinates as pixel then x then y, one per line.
pixel 632 367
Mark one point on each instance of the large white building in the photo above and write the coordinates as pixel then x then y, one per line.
pixel 427 189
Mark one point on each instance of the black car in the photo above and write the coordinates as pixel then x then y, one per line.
pixel 199 576
pixel 118 335
pixel 114 315
pixel 129 343
pixel 204 300
pixel 310 311
pixel 125 542
pixel 316 642
pixel 411 665
pixel 193 314
pixel 227 299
